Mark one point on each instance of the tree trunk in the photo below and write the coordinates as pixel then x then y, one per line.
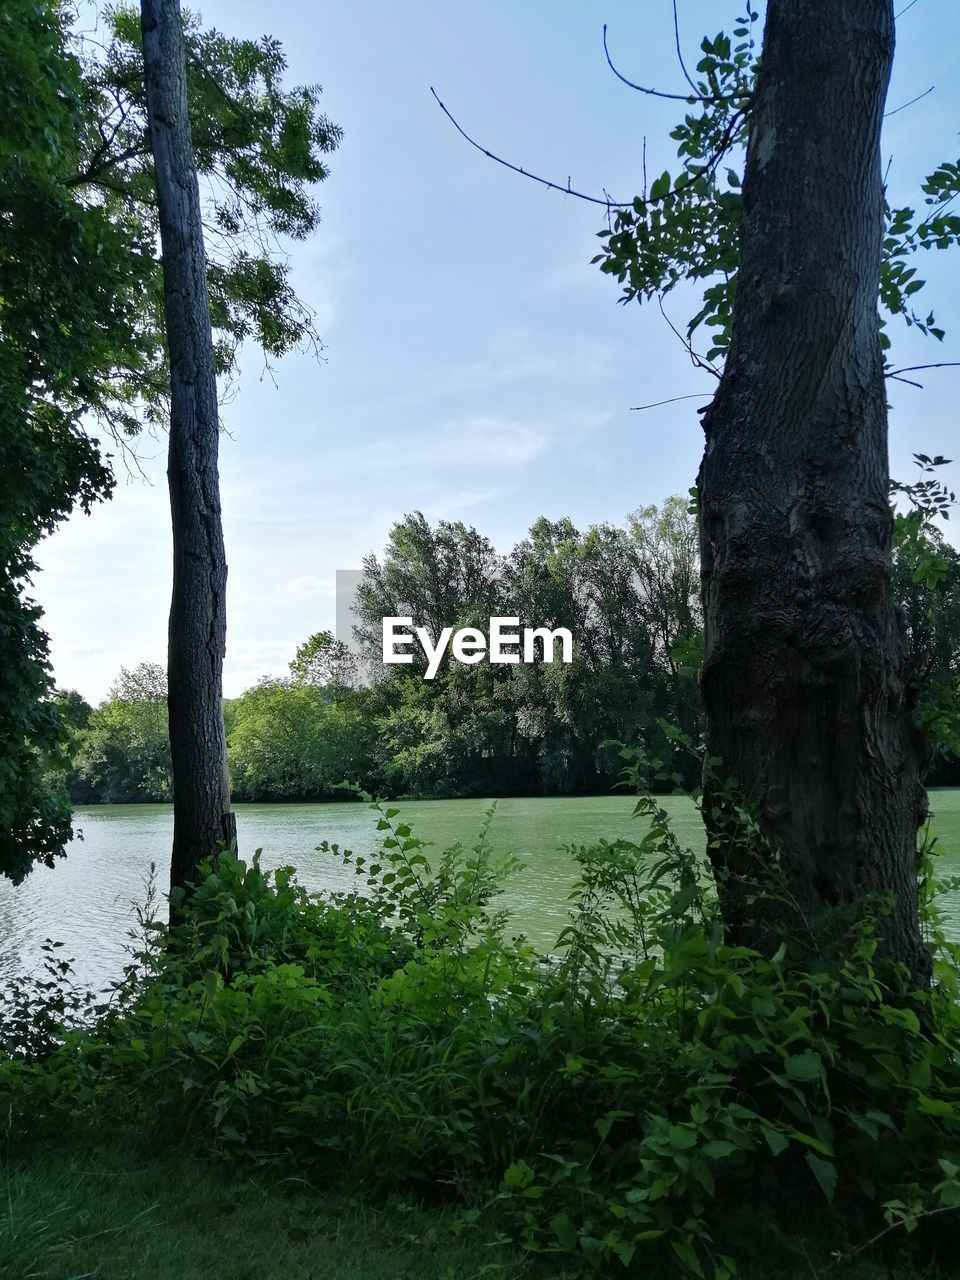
pixel 804 678
pixel 197 631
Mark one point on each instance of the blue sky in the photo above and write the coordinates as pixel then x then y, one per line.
pixel 477 367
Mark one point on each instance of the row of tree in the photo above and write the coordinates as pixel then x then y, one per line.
pixel 628 593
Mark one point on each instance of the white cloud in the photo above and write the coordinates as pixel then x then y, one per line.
pixel 488 441
pixel 451 505
pixel 307 587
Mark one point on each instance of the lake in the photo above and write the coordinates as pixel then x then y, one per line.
pixel 87 900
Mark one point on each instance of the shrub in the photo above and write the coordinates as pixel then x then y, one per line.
pixel 650 1092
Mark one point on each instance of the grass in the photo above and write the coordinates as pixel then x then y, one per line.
pixel 91 1211
pixel 116 1214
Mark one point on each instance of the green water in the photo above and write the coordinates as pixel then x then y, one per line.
pixel 87 900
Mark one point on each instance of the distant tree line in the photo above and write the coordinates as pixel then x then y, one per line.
pixel 629 595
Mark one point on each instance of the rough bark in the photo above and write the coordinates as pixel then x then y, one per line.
pixel 197 629
pixel 804 678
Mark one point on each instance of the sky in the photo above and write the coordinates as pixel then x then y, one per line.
pixel 477 367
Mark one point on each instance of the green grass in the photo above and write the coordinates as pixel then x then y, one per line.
pixel 114 1214
pixel 110 1212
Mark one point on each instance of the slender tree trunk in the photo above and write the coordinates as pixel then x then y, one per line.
pixel 197 632
pixel 804 677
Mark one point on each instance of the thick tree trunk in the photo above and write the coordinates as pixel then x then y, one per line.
pixel 197 634
pixel 804 672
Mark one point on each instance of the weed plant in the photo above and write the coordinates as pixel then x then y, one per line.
pixel 648 1100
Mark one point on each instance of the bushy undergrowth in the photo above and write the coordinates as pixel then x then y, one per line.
pixel 648 1097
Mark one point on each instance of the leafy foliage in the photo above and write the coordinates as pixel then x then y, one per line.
pixel 323 660
pixel 298 741
pixel 259 150
pixel 649 1096
pixel 121 752
pixel 686 226
pixel 59 322
pixel 81 306
pixel 935 228
pixel 927 585
pixel 629 596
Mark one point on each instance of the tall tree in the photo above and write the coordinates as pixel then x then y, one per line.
pixel 81 321
pixel 122 748
pixel 809 705
pixel 443 576
pixel 202 816
pixel 804 673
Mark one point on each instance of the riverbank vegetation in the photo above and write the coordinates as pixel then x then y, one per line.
pixel 634 1101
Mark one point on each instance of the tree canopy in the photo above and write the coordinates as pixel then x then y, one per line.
pixel 84 356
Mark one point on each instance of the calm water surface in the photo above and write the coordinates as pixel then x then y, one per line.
pixel 87 902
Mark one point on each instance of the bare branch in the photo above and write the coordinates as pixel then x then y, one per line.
pixel 701 362
pixel 676 40
pixel 658 93
pixel 636 408
pixel 893 1226
pixel 904 105
pixel 915 368
pixel 515 168
pixel 638 204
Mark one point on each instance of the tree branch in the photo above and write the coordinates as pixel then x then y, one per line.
pixel 637 203
pixel 658 93
pixel 701 362
pixel 893 1226
pixel 676 40
pixel 696 395
pixel 515 168
pixel 904 105
pixel 95 170
pixel 915 368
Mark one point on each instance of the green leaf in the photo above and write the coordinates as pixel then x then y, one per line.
pixel 688 1256
pixel 718 1148
pixel 804 1066
pixel 825 1172
pixel 562 1227
pixel 776 1141
pixel 934 1106
pixel 212 983
pixel 519 1174
pixel 682 1137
